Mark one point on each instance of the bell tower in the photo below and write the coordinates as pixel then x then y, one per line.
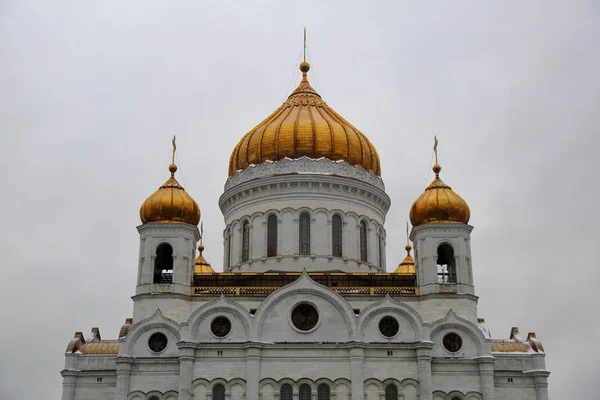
pixel 168 237
pixel 441 236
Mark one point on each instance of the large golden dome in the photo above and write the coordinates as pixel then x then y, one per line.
pixel 439 203
pixel 170 203
pixel 304 126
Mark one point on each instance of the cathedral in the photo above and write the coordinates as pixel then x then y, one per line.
pixel 307 307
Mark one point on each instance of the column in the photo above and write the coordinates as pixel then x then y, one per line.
pixel 252 369
pixel 123 377
pixel 486 372
pixel 424 367
pixel 357 371
pixel 187 352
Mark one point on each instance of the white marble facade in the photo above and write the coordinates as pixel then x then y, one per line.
pixel 182 346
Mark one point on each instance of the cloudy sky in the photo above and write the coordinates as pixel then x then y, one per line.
pixel 92 92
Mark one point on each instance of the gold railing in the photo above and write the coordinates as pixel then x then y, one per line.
pixel 261 291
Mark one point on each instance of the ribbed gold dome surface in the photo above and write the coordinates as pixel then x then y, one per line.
pixel 439 203
pixel 304 126
pixel 170 203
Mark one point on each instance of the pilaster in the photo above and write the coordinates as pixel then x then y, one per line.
pixel 123 377
pixel 253 350
pixel 69 382
pixel 357 370
pixel 486 373
pixel 423 350
pixel 541 385
pixel 187 352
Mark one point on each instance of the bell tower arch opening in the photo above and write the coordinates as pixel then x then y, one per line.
pixel 446 264
pixel 163 263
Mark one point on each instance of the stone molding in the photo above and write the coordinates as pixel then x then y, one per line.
pixel 283 187
pixel 319 166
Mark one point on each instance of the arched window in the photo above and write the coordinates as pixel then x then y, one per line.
pixel 272 236
pixel 323 392
pixel 218 392
pixel 391 392
pixel 336 236
pixel 304 234
pixel 163 264
pixel 363 241
pixel 245 241
pixel 446 265
pixel 286 392
pixel 304 392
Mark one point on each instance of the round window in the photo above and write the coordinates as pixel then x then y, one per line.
pixel 452 342
pixel 305 317
pixel 220 326
pixel 388 326
pixel 157 342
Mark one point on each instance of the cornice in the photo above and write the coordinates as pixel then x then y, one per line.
pixel 291 186
pixel 319 166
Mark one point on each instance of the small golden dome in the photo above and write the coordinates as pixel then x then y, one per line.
pixel 170 203
pixel 202 266
pixel 438 204
pixel 304 126
pixel 407 266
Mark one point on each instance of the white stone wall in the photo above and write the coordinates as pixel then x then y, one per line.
pixel 346 351
pixel 288 252
pixel 426 240
pixel 310 190
pixel 430 307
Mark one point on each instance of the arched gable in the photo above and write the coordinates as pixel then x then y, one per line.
pixel 308 289
pixel 470 334
pixel 156 322
pixel 221 305
pixel 420 330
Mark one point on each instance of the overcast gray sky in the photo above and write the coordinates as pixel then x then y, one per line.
pixel 92 92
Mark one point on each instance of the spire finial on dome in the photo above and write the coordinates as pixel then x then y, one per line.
pixel 304 66
pixel 407 266
pixel 408 247
pixel 173 167
pixel 201 233
pixel 201 245
pixel 436 168
pixel 201 266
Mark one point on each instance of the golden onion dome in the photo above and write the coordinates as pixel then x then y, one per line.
pixel 304 126
pixel 202 266
pixel 170 203
pixel 439 204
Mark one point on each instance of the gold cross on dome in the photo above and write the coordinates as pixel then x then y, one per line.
pixel 435 144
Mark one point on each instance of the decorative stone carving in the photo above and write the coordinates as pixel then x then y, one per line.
pixel 323 166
